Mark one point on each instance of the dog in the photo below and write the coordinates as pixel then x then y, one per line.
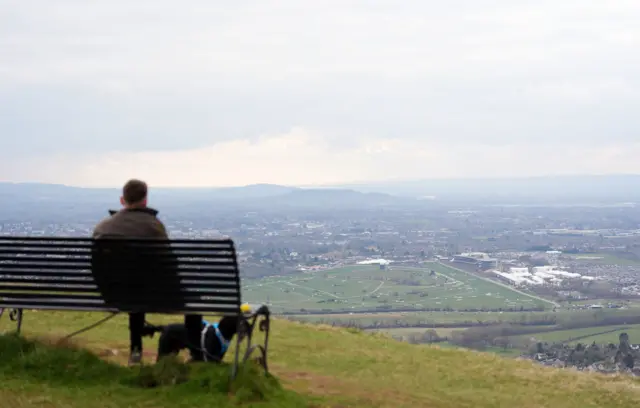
pixel 215 339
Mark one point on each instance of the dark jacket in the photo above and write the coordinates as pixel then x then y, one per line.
pixel 131 223
pixel 137 270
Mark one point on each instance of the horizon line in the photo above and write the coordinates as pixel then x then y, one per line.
pixel 336 185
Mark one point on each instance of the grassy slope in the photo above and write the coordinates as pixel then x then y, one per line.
pixel 37 373
pixel 328 367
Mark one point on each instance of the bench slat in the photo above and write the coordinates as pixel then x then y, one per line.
pixel 34 273
pixel 215 275
pixel 54 280
pixel 160 253
pixel 230 310
pixel 90 245
pixel 224 282
pixel 51 288
pixel 46 290
pixel 86 260
pixel 219 299
pixel 189 295
pixel 36 285
pixel 185 266
pixel 187 241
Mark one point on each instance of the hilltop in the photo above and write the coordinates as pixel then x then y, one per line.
pixel 542 190
pixel 320 366
pixel 57 197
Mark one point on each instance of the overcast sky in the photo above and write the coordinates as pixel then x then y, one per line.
pixel 218 92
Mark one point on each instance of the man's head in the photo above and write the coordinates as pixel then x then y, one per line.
pixel 134 194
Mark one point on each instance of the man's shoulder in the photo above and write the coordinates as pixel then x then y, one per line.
pixel 145 218
pixel 160 226
pixel 102 225
pixel 132 223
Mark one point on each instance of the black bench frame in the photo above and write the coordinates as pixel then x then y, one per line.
pixel 54 273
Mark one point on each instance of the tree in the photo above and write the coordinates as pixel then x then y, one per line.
pixel 430 336
pixel 628 360
pixel 624 343
pixel 503 342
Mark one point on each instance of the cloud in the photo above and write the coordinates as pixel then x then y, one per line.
pixel 303 157
pixel 82 79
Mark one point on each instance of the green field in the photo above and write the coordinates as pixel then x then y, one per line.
pixel 413 318
pixel 421 318
pixel 592 334
pixel 605 259
pixel 408 331
pixel 316 366
pixel 366 287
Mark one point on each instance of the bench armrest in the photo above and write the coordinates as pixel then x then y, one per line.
pixel 262 318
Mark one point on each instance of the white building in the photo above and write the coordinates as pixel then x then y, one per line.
pixel 375 262
pixel 539 275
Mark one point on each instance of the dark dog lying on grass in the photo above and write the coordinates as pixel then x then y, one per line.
pixel 215 339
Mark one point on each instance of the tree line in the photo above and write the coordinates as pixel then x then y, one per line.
pixel 387 308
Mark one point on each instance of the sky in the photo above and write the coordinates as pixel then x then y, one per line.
pixel 216 93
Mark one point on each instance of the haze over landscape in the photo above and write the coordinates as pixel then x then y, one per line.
pixel 328 92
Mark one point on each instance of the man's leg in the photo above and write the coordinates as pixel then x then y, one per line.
pixel 193 325
pixel 136 326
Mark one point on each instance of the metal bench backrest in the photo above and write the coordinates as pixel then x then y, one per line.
pixel 175 276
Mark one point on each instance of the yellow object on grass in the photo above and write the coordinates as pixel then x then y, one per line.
pixel 245 308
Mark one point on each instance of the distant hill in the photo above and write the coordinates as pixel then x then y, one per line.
pixel 584 189
pixel 61 191
pixel 241 192
pixel 548 189
pixel 252 196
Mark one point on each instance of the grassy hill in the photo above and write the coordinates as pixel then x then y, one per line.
pixel 315 366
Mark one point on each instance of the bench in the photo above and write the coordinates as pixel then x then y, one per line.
pixel 128 275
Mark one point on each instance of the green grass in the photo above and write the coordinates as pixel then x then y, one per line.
pixel 414 318
pixel 592 334
pixel 497 295
pixel 68 373
pixel 408 331
pixel 605 259
pixel 315 366
pixel 410 319
pixel 366 287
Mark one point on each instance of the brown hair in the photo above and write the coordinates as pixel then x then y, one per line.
pixel 134 191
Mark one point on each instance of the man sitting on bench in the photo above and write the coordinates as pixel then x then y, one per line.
pixel 136 220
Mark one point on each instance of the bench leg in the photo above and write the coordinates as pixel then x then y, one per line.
pixel 18 319
pixel 236 359
pixel 15 315
pixel 245 329
pixel 264 322
pixel 262 319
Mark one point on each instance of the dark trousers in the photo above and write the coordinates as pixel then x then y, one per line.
pixel 136 329
pixel 192 323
